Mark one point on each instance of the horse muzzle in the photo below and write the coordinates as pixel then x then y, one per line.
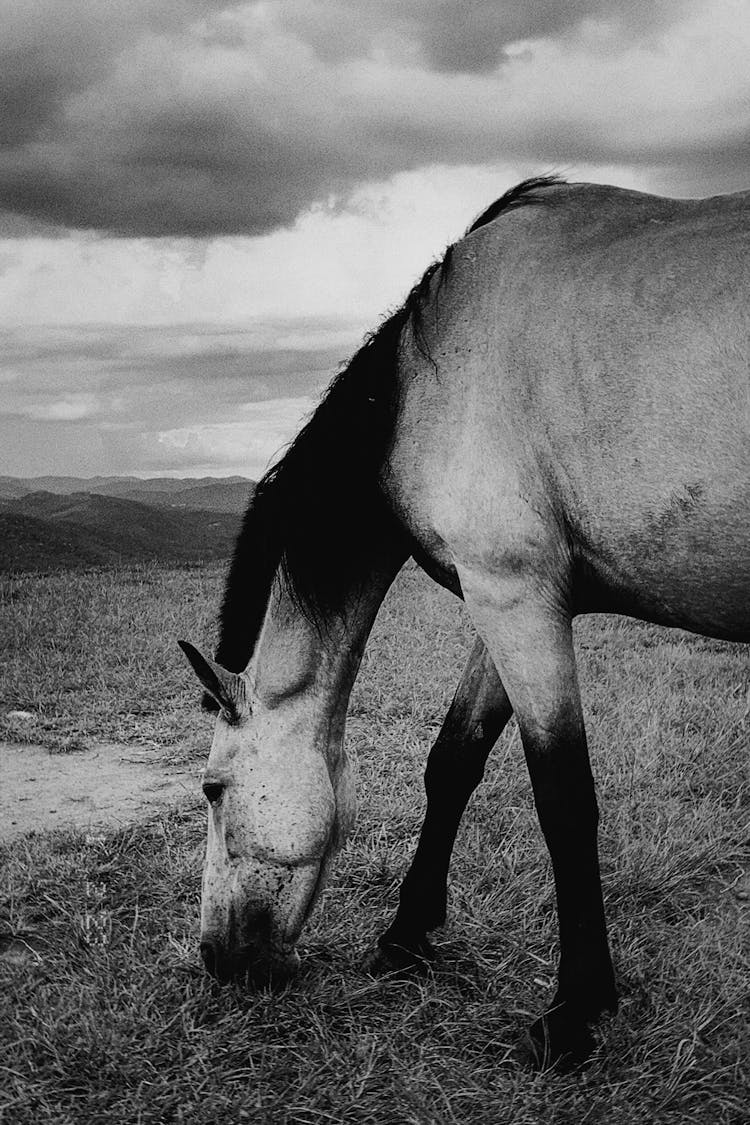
pixel 256 962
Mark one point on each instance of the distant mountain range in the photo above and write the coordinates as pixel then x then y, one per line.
pixel 219 494
pixel 60 522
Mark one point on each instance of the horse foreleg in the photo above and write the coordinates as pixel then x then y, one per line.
pixel 531 643
pixel 455 766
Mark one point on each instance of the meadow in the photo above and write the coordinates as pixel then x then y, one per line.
pixel 114 1020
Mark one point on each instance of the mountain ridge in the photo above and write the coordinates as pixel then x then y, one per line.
pixel 47 530
pixel 12 488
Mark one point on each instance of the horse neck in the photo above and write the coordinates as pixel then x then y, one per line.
pixel 307 664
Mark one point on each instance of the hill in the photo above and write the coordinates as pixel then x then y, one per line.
pixel 214 496
pixel 44 530
pixel 27 544
pixel 218 494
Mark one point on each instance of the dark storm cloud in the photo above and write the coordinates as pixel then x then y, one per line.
pixel 465 36
pixel 50 53
pixel 196 118
pixel 24 226
pixel 50 50
pixel 453 42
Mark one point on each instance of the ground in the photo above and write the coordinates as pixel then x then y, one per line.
pixel 107 1015
pixel 105 785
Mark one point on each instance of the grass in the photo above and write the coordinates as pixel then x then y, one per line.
pixel 114 1020
pixel 92 655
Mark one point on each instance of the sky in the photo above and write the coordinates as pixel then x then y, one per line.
pixel 205 205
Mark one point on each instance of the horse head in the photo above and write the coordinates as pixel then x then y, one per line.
pixel 279 810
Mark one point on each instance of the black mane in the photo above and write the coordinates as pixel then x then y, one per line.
pixel 518 196
pixel 309 512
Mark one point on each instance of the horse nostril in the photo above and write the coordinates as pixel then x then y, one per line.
pixel 213 791
pixel 208 953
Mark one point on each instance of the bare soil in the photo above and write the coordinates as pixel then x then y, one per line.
pixel 108 785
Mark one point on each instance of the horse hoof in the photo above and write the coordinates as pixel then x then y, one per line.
pixel 392 956
pixel 562 1040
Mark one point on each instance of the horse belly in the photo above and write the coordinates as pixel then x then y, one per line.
pixel 687 566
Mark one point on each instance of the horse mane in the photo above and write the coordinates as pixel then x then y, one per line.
pixel 519 196
pixel 312 512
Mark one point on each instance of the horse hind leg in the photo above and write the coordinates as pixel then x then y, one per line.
pixel 530 640
pixel 455 766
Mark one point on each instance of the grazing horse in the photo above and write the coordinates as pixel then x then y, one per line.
pixel 554 423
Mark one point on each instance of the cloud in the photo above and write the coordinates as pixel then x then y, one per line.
pixel 70 409
pixel 467 37
pixel 203 119
pixel 157 379
pixel 245 445
pixel 102 399
pixel 337 270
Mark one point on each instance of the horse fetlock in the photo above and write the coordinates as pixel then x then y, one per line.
pixel 561 1039
pixel 400 950
pixel 590 990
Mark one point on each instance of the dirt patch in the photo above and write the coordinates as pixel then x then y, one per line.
pixel 110 785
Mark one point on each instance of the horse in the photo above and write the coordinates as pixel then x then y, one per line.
pixel 555 422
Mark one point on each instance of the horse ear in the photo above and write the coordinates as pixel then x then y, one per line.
pixel 209 704
pixel 227 688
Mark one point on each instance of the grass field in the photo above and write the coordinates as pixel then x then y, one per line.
pixel 116 1022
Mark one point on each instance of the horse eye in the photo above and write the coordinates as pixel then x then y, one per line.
pixel 213 791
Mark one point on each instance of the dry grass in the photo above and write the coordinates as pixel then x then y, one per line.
pixel 113 1020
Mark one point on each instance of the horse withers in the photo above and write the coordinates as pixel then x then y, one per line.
pixel 555 422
